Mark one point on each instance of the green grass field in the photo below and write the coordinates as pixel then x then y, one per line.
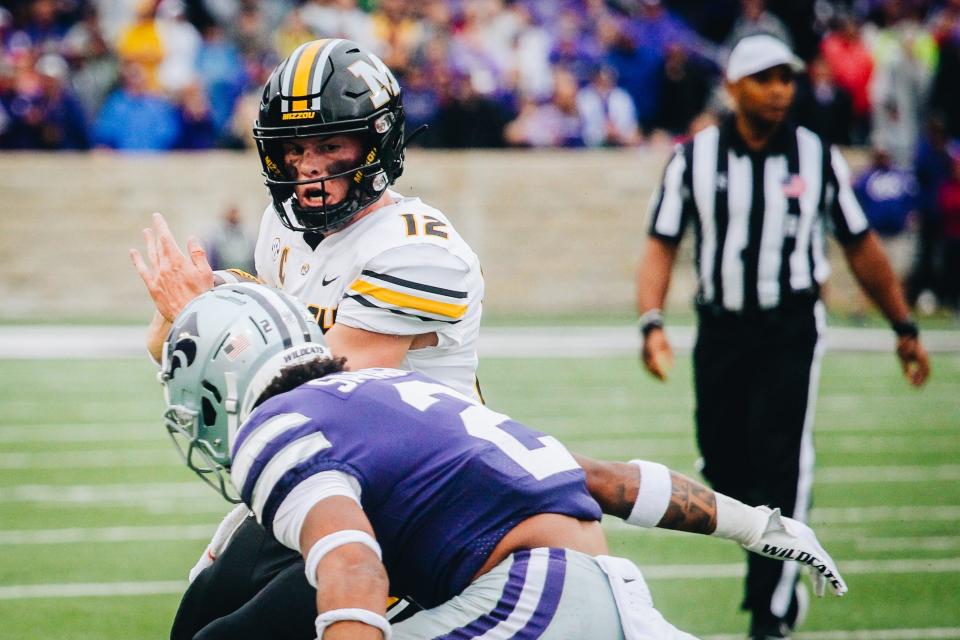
pixel 99 522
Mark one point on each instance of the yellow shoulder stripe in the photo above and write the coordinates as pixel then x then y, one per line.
pixel 406 300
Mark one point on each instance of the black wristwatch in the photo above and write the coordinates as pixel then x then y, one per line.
pixel 906 329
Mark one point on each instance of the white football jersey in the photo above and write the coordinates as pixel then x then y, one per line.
pixel 401 270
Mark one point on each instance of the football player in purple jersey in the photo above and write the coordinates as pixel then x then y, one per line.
pixel 390 482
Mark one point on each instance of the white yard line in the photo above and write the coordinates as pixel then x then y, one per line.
pixel 848 567
pixel 97 459
pixel 821 517
pixel 107 534
pixel 82 433
pixel 906 543
pixel 65 341
pixel 892 473
pixel 651 448
pixel 933 633
pixel 92 589
pixel 863 515
pixel 160 494
pixel 834 442
pixel 862 540
pixel 651 572
pixel 105 493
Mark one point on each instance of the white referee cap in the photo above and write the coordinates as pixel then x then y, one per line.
pixel 754 54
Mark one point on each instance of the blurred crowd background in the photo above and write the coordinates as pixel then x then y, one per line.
pixel 187 75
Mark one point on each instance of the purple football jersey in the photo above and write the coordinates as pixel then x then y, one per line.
pixel 442 477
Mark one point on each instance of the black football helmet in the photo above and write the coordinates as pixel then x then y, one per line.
pixel 325 88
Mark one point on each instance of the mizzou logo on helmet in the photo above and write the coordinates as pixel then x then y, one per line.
pixel 300 115
pixel 382 83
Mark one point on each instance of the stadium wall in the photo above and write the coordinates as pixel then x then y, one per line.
pixel 558 232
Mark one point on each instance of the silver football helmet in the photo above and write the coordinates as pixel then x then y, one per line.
pixel 223 350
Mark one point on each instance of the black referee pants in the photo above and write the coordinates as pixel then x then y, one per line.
pixel 755 378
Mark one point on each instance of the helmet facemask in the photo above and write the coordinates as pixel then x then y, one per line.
pixel 366 181
pixel 183 426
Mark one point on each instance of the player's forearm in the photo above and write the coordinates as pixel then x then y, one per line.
pixel 351 578
pixel 872 270
pixel 653 274
pixel 692 507
pixel 156 335
pixel 342 561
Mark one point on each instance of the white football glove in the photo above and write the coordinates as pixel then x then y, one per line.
pixel 224 533
pixel 788 539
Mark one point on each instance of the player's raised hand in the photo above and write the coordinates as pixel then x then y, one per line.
pixel 172 278
pixel 788 539
pixel 656 354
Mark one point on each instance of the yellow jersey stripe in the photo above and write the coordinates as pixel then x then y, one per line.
pixel 301 75
pixel 406 300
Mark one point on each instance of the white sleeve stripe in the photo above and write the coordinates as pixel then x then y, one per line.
pixel 253 444
pixel 285 459
pixel 853 214
pixel 670 213
pixel 293 511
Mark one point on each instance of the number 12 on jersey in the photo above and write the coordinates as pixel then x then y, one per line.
pixel 481 422
pixel 426 226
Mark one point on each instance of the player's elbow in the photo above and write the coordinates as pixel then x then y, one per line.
pixel 611 484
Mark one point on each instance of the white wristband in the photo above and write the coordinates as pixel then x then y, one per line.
pixel 738 521
pixel 365 616
pixel 653 498
pixel 328 543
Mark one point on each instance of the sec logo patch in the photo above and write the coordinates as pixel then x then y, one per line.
pixel 275 249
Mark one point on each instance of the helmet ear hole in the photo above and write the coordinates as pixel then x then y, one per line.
pixel 209 412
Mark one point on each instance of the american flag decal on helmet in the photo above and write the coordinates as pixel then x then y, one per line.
pixel 236 345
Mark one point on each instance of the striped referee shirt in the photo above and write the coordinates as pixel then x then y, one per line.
pixel 758 217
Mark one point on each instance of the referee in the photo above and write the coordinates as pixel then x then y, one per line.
pixel 759 193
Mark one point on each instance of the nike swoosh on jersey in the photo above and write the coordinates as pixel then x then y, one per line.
pixel 325 282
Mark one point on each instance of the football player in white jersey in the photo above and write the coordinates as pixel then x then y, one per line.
pixel 388 278
pixel 400 271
